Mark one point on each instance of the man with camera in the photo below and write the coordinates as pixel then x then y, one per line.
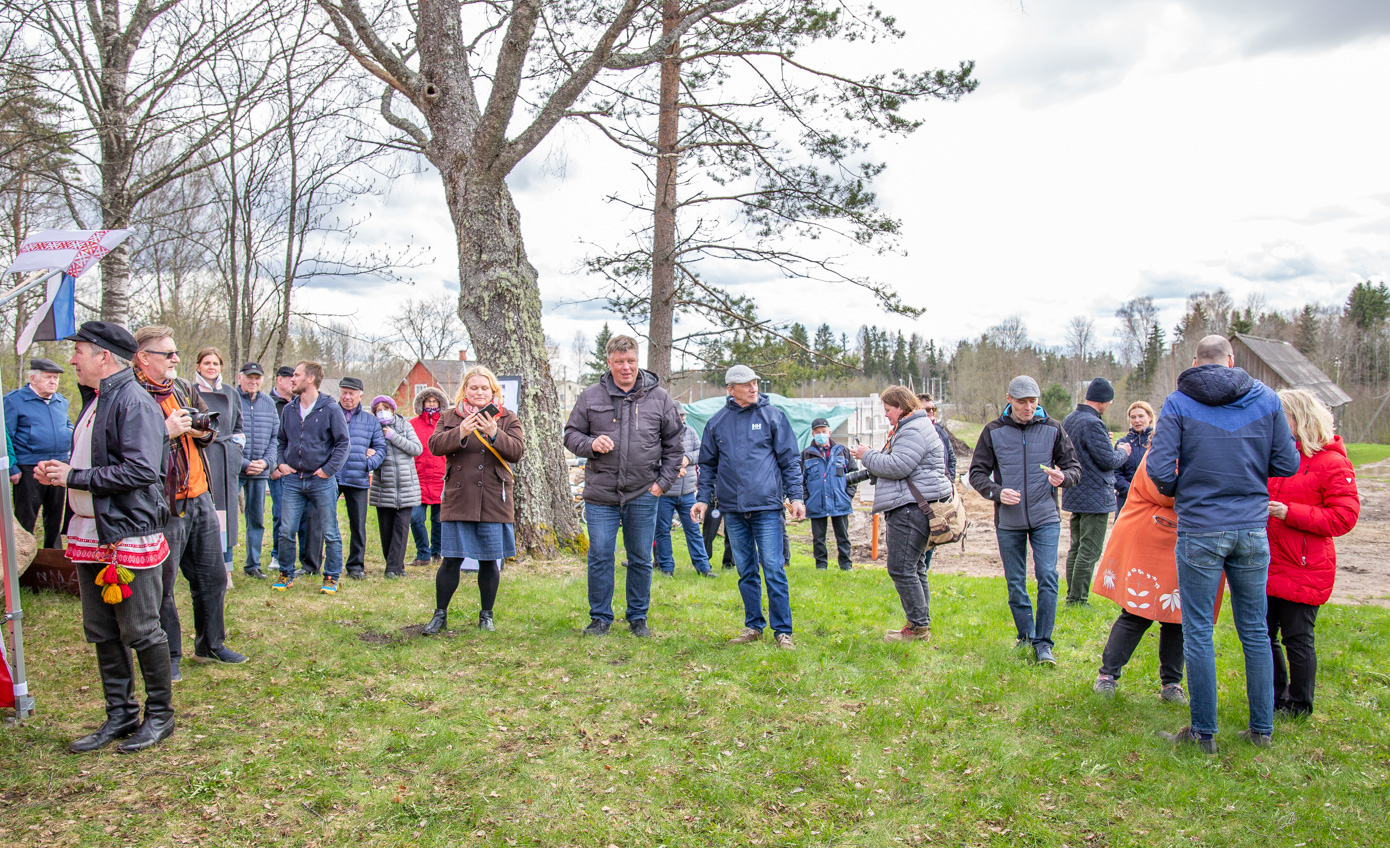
pixel 195 545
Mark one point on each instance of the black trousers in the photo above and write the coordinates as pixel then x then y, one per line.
pixel 841 525
pixel 1292 624
pixel 357 526
pixel 1125 634
pixel 394 527
pixel 29 496
pixel 134 622
pixel 195 548
pixel 710 530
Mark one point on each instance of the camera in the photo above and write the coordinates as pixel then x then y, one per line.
pixel 205 421
pixel 854 478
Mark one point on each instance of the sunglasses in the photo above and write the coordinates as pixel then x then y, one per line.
pixel 167 354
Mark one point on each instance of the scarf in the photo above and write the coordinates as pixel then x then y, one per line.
pixel 212 387
pixel 176 480
pixel 431 416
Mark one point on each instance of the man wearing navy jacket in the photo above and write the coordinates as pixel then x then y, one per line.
pixel 36 421
pixel 748 459
pixel 1219 439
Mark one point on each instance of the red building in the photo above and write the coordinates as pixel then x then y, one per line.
pixel 443 374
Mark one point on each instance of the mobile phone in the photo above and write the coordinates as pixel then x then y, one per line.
pixel 490 409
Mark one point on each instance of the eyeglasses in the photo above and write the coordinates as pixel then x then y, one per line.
pixel 167 354
pixel 928 409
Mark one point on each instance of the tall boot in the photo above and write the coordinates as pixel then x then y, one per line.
pixel 122 710
pixel 437 623
pixel 159 705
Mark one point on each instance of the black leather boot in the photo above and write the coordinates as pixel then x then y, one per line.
pixel 122 710
pixel 485 621
pixel 438 623
pixel 159 701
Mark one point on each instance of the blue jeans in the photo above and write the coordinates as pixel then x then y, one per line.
pixel 1242 557
pixel 694 541
pixel 276 488
pixel 756 539
pixel 1013 550
pixel 299 497
pixel 638 519
pixel 254 490
pixel 428 542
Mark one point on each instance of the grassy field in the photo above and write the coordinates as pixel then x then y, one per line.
pixel 1362 453
pixel 345 729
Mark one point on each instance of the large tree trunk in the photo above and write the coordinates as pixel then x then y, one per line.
pixel 661 320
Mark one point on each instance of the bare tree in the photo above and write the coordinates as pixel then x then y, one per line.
pixel 1081 338
pixel 429 327
pixel 1137 320
pixel 1010 334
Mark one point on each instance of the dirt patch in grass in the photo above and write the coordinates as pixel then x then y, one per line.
pixel 372 637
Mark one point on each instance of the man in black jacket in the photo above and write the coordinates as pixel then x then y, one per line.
pixel 1091 501
pixel 115 539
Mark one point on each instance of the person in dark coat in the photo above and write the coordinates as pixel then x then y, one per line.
pixel 367 452
pixel 677 503
pixel 1141 430
pixel 1090 501
pixel 929 406
pixel 282 394
pixel 36 422
pixel 225 457
pixel 312 446
pixel 260 424
pixel 479 511
pixel 829 499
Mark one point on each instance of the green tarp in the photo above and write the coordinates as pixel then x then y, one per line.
pixel 799 412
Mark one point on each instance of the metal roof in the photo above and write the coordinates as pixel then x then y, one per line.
pixel 448 373
pixel 1294 369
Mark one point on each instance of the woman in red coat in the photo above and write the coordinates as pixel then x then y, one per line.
pixel 1305 512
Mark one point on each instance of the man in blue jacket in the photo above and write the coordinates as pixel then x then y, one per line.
pixel 824 465
pixel 366 451
pixel 312 448
pixel 262 426
pixel 36 421
pixel 748 460
pixel 1219 439
pixel 1091 501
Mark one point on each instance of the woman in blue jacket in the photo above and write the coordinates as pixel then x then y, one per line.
pixel 1141 432
pixel 824 465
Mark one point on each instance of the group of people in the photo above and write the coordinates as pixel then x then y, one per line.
pixel 1217 486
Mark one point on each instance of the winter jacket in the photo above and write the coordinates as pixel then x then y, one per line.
pixel 748 458
pixel 1218 440
pixel 224 456
pixel 428 467
pixel 260 425
pixel 38 429
pixel 364 433
pixel 913 454
pixel 646 431
pixel 1009 455
pixel 1138 443
pixel 476 486
pixel 395 484
pixel 318 441
pixel 823 479
pixel 690 445
pixel 1323 502
pixel 129 449
pixel 1099 459
pixel 950 452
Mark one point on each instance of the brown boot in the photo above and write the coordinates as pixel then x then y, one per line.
pixel 909 633
pixel 748 635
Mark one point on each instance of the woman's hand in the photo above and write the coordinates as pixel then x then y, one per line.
pixel 482 422
pixel 1278 510
pixel 859 450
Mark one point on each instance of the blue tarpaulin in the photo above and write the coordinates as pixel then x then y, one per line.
pixel 799 412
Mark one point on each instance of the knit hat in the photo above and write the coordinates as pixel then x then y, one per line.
pixel 383 399
pixel 1024 386
pixel 1100 391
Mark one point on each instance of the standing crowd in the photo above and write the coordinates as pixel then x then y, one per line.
pixel 1233 490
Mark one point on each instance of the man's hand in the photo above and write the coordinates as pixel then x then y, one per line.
pixel 685 460
pixel 655 490
pixel 178 423
pixel 1009 497
pixel 14 478
pixel 798 511
pixel 284 470
pixel 1279 510
pixel 52 472
pixel 697 512
pixel 371 452
pixel 255 466
pixel 320 474
pixel 1055 477
pixel 859 450
pixel 602 444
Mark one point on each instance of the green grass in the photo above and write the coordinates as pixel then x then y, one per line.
pixel 345 730
pixel 965 431
pixel 1363 453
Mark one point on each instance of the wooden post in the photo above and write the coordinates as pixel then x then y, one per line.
pixel 873 543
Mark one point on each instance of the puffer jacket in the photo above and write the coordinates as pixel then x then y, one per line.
pixel 913 454
pixel 1009 455
pixel 1323 502
pixel 823 478
pixel 1138 443
pixel 646 431
pixel 1099 459
pixel 260 423
pixel 38 429
pixel 429 468
pixel 748 458
pixel 1219 439
pixel 690 443
pixel 395 484
pixel 364 432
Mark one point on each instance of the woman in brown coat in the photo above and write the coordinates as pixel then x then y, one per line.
pixel 480 440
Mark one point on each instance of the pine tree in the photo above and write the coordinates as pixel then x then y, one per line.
pixel 899 366
pixel 1306 332
pixel 598 359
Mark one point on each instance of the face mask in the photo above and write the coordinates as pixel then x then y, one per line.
pixel 821 439
pixel 385 416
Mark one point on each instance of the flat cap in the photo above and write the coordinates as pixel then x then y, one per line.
pixel 285 371
pixel 107 336
pixel 350 383
pixel 47 366
pixel 255 368
pixel 738 375
pixel 1024 386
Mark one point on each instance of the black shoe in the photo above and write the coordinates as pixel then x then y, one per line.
pixel 122 710
pixel 710 573
pixel 671 574
pixel 438 623
pixel 159 707
pixel 846 568
pixel 390 575
pixel 357 574
pixel 1187 736
pixel 255 574
pixel 639 628
pixel 597 627
pixel 821 566
pixel 728 566
pixel 174 675
pixel 221 655
pixel 306 572
pixel 485 621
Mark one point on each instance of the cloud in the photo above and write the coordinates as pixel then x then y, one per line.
pixel 1277 25
pixel 1278 263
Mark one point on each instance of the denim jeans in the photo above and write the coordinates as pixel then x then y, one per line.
pixel 300 496
pixel 1013 550
pixel 1242 557
pixel 253 488
pixel 638 519
pixel 694 541
pixel 428 542
pixel 756 539
pixel 276 489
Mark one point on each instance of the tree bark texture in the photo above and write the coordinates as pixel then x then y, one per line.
pixel 661 321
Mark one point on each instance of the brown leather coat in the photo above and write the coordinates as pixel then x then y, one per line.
pixel 476 486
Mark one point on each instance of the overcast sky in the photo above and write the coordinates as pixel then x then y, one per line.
pixel 1113 150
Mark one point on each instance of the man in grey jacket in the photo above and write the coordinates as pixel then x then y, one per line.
pixel 627 427
pixel 1020 461
pixel 1091 501
pixel 678 501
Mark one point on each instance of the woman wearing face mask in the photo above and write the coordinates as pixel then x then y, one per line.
pixel 481 441
pixel 224 455
pixel 1141 432
pixel 430 404
pixel 395 488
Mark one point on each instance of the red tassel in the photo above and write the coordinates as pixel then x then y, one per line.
pixel 109 576
pixel 125 591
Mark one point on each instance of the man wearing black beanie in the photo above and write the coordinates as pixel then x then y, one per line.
pixel 1091 501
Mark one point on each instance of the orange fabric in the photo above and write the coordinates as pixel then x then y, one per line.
pixel 1139 569
pixel 197 475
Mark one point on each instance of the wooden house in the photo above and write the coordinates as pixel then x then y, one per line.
pixel 1280 365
